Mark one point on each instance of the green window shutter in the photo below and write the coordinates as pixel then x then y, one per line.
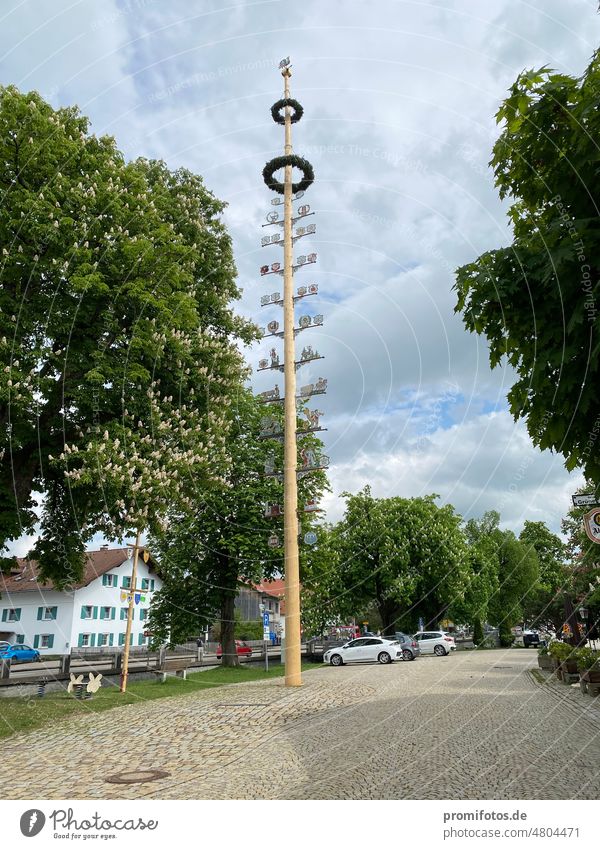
pixel 4 615
pixel 102 613
pixel 54 612
pixel 152 584
pixel 36 641
pixel 20 638
pixel 92 639
pixel 112 612
pixel 80 640
pixel 140 639
pixel 18 612
pixel 104 581
pixel 111 639
pixel 95 613
pixel 51 641
pixel 40 611
pixel 83 616
pixel 121 639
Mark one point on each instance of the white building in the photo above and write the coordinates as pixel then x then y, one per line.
pixel 91 613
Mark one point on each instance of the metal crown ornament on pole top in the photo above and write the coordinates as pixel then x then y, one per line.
pixel 286 112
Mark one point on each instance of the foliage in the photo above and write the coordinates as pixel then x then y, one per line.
pixel 517 573
pixel 560 651
pixel 536 300
pixel 544 602
pixel 118 345
pixel 206 556
pixel 586 658
pixel 408 556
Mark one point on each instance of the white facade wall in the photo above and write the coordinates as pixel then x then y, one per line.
pixel 67 626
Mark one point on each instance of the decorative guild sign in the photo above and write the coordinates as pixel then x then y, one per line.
pixel 310 537
pixel 309 354
pixel 273 326
pixel 591 523
pixel 269 395
pixel 273 541
pixel 272 217
pixel 313 288
pixel 311 506
pixel 263 363
pixel 264 269
pixel 269 426
pixel 304 321
pixel 304 210
pixel 273 511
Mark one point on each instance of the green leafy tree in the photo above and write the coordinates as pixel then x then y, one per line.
pixel 118 344
pixel 224 543
pixel 536 300
pixel 407 556
pixel 518 571
pixel 545 602
pixel 483 537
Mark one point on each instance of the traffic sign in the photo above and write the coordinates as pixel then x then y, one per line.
pixel 584 499
pixel 310 537
pixel 591 523
pixel 265 620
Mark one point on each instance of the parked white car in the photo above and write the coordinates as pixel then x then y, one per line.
pixel 363 650
pixel 435 642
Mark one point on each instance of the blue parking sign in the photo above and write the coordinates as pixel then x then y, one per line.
pixel 265 619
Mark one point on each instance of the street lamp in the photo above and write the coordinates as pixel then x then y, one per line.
pixel 583 612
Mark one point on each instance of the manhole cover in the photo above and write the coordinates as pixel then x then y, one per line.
pixel 502 667
pixel 137 776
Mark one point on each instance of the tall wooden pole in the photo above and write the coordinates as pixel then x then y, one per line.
pixel 132 589
pixel 293 675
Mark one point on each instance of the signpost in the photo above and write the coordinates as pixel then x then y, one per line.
pixel 585 499
pixel 266 637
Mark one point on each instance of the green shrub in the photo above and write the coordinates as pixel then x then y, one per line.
pixel 586 658
pixel 560 651
pixel 477 632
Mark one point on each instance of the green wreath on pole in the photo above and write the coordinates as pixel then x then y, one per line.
pixel 296 162
pixel 281 104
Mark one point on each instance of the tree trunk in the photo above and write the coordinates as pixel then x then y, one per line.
pixel 230 657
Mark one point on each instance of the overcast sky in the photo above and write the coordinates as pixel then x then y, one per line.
pixel 399 101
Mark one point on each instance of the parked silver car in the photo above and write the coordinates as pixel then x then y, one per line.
pixel 410 646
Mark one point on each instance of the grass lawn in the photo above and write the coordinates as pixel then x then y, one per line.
pixel 26 713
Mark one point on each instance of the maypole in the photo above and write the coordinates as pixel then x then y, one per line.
pixel 292 112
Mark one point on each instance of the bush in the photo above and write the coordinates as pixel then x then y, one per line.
pixel 506 635
pixel 543 650
pixel 586 658
pixel 560 651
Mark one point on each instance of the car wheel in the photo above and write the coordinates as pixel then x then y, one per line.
pixel 384 657
pixel 336 660
pixel 440 651
pixel 407 655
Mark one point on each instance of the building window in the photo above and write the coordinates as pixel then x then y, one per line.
pixel 126 582
pixel 124 612
pixel 109 580
pixel 48 612
pixel 143 614
pixel 84 640
pixel 107 613
pixel 87 611
pixel 104 639
pixel 145 583
pixel 142 640
pixel 46 641
pixel 20 639
pixel 11 614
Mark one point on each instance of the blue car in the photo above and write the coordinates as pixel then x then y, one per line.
pixel 18 653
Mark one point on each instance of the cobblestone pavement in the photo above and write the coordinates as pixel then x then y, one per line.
pixel 475 725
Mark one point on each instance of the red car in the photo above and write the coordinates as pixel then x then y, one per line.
pixel 241 648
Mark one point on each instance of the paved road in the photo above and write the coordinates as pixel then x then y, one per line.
pixel 473 725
